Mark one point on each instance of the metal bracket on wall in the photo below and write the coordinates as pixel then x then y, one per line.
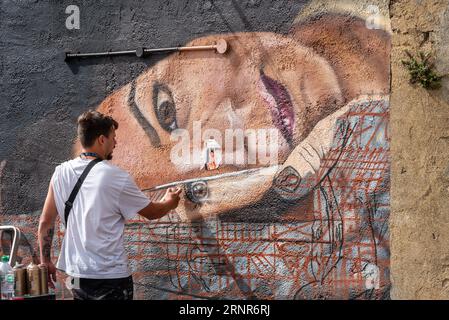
pixel 15 241
pixel 220 46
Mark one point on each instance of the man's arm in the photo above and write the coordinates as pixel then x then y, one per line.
pixel 156 210
pixel 45 233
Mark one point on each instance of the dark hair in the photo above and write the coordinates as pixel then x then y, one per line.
pixel 92 124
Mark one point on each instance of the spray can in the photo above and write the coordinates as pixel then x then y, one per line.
pixel 44 278
pixel 20 276
pixel 34 281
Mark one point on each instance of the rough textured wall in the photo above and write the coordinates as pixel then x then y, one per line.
pixel 312 225
pixel 420 166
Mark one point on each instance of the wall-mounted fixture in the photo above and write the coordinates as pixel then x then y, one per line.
pixel 197 191
pixel 221 46
pixel 11 243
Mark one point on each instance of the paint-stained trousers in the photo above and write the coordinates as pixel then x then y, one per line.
pixel 103 289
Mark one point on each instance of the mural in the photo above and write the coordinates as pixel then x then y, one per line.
pixel 292 200
pixel 314 224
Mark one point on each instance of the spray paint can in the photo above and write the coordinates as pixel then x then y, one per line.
pixel 34 281
pixel 44 278
pixel 20 276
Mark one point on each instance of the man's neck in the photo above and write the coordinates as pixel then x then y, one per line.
pixel 90 154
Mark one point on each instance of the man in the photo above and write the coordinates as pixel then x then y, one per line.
pixel 92 252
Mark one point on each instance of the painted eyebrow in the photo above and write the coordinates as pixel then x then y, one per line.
pixel 144 123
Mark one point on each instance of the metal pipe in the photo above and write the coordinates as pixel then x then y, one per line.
pixel 99 54
pixel 220 46
pixel 219 176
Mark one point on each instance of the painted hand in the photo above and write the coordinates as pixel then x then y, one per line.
pixel 293 180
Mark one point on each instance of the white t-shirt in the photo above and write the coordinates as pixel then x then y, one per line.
pixel 93 243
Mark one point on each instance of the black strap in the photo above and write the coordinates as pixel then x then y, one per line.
pixel 69 203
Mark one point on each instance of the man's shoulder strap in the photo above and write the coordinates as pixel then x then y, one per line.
pixel 76 188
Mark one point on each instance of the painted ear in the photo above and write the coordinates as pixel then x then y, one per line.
pixel 320 91
pixel 303 169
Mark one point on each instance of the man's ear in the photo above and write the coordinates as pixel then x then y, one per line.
pixel 101 139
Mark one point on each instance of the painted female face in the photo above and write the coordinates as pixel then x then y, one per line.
pixel 265 81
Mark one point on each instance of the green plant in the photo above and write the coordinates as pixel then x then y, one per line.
pixel 422 72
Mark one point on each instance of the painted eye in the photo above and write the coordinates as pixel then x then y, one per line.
pixel 164 107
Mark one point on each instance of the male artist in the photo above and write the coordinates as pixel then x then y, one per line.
pixel 92 251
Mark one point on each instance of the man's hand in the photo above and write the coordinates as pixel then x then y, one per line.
pixel 51 278
pixel 45 234
pixel 158 209
pixel 171 197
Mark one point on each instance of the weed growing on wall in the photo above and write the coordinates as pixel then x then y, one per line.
pixel 422 71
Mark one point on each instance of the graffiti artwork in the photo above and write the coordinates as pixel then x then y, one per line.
pixel 309 227
pixel 292 201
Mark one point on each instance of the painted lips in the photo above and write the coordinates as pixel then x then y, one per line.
pixel 280 104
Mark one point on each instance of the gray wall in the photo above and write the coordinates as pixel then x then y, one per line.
pixel 41 95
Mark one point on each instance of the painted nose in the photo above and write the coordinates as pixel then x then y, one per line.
pixel 222 117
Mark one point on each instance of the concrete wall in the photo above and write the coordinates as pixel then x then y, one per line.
pixel 311 225
pixel 420 168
